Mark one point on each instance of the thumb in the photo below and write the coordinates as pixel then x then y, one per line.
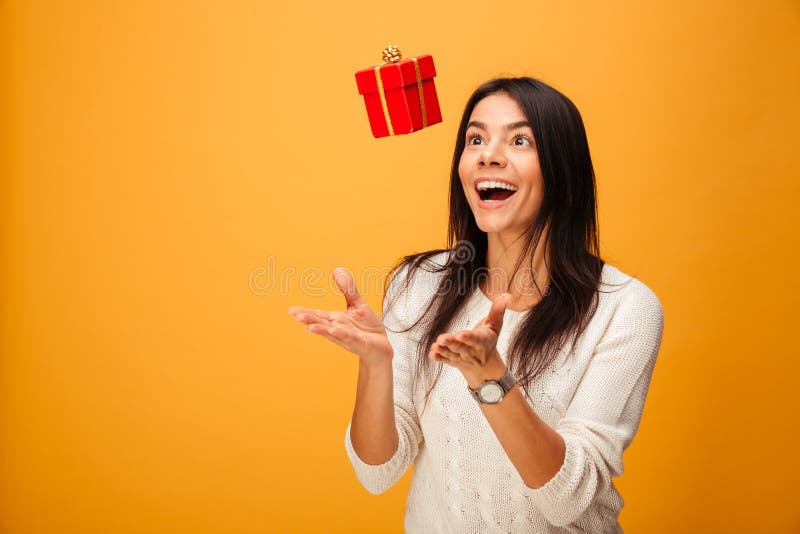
pixel 348 286
pixel 495 318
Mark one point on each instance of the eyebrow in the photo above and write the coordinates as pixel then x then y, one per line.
pixel 511 126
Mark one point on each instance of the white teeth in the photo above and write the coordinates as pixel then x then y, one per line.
pixel 488 184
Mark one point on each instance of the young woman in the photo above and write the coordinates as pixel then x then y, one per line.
pixel 511 367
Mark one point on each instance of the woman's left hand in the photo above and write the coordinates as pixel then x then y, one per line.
pixel 473 351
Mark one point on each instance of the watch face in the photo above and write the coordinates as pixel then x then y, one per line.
pixel 491 393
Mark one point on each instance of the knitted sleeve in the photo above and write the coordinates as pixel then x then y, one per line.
pixel 605 411
pixel 378 478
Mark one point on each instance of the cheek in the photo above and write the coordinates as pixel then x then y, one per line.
pixel 535 194
pixel 463 172
pixel 535 185
pixel 533 177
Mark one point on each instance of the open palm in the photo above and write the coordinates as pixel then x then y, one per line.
pixel 470 349
pixel 357 330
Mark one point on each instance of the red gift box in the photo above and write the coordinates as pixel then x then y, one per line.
pixel 400 95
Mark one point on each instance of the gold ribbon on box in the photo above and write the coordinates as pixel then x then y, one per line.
pixel 391 54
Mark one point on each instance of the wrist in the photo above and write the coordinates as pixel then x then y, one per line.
pixel 493 369
pixel 379 358
pixel 375 366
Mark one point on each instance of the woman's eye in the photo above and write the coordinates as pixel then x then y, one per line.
pixel 472 138
pixel 525 140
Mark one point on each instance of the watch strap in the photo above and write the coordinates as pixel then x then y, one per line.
pixel 507 381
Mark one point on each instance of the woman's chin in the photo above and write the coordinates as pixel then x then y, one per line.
pixel 496 226
pixel 493 227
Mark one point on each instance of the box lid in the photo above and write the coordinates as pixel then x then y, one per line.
pixel 394 75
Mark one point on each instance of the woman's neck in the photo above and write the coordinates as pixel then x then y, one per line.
pixel 501 256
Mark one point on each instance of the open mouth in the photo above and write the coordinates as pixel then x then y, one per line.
pixel 496 194
pixel 492 191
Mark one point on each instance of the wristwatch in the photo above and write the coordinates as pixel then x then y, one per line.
pixel 493 391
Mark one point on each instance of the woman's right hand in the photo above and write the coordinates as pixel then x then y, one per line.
pixel 357 330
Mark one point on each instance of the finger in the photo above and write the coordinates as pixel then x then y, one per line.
pixel 312 319
pixel 495 318
pixel 457 355
pixel 456 345
pixel 343 337
pixel 435 356
pixel 294 311
pixel 441 338
pixel 446 340
pixel 450 355
pixel 454 348
pixel 472 342
pixel 467 337
pixel 436 353
pixel 345 334
pixel 348 286
pixel 309 316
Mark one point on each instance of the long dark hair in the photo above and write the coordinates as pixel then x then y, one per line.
pixel 568 211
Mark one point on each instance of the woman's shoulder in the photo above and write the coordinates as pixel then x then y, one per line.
pixel 424 270
pixel 414 282
pixel 619 289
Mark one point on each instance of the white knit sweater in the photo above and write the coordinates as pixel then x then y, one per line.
pixel 463 481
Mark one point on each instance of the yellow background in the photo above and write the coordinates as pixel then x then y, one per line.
pixel 158 157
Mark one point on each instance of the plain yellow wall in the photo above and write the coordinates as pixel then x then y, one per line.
pixel 160 159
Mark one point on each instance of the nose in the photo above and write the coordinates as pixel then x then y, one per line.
pixel 492 155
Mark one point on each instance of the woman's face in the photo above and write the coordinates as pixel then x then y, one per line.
pixel 500 148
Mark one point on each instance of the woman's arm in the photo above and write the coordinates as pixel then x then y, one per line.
pixel 535 449
pixel 394 447
pixel 564 468
pixel 383 436
pixel 373 431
